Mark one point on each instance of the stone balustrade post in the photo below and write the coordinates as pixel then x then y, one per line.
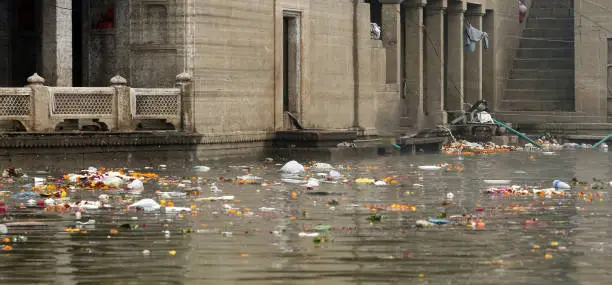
pixel 41 105
pixel 122 113
pixel 185 83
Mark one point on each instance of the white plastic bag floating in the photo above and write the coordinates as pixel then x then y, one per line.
pixel 380 183
pixel 39 181
pixel 167 195
pixel 429 167
pixel 113 181
pixel 335 175
pixel 147 205
pixel 312 182
pixel 561 185
pixel 201 168
pixel 135 186
pixel 292 167
pixel 322 166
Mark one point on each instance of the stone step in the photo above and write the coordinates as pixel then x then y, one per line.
pixel 563 52
pixel 557 4
pixel 538 94
pixel 556 11
pixel 544 63
pixel 560 74
pixel 545 43
pixel 539 84
pixel 550 33
pixel 537 105
pixel 549 23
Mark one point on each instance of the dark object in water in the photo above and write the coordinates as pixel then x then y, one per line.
pixel 375 218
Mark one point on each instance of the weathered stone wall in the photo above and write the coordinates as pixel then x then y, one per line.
pixel 593 28
pixel 238 63
pixel 234 66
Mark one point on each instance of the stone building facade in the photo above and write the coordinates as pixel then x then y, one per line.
pixel 253 62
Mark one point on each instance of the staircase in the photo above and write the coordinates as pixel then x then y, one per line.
pixel 542 76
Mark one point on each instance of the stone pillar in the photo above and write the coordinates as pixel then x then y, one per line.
pixel 57 42
pixel 488 62
pixel 473 60
pixel 391 38
pixel 434 63
pixel 454 83
pixel 123 116
pixel 413 62
pixel 185 83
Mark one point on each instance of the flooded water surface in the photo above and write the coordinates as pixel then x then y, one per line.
pixel 277 231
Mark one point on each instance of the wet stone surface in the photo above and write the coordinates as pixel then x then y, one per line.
pixel 425 219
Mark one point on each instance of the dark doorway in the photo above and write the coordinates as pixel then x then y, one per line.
pixel 375 11
pixel 25 19
pixel 291 69
pixel 286 64
pixel 77 42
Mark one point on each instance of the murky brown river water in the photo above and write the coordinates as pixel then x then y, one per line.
pixel 570 244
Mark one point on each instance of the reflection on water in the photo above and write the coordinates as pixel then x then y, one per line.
pixel 568 245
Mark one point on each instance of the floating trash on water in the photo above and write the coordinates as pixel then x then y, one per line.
pixel 430 167
pixel 201 168
pixel 561 185
pixel 322 166
pixel 147 205
pixel 292 167
pixel 424 224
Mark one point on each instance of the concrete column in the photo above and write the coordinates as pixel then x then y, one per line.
pixel 57 42
pixel 413 62
pixel 488 62
pixel 391 38
pixel 434 63
pixel 454 83
pixel 473 60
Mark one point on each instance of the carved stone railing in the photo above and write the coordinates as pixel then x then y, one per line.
pixel 155 103
pixel 16 105
pixel 120 108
